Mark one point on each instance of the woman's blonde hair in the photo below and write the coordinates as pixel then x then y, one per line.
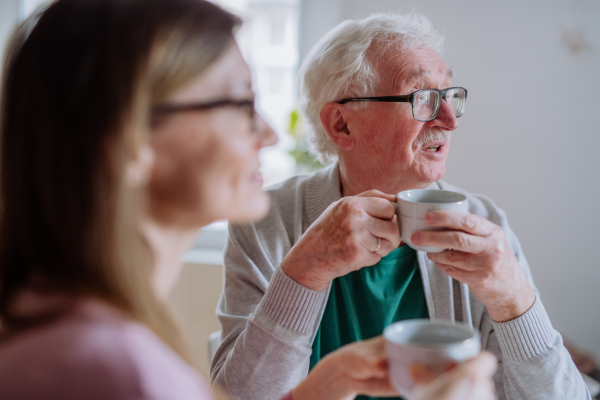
pixel 79 80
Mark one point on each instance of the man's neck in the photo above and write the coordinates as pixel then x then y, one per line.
pixel 353 183
pixel 169 244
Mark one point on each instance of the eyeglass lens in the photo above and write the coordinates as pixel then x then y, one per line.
pixel 426 103
pixel 246 107
pixel 251 110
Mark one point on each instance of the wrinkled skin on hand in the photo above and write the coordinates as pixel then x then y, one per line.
pixel 344 239
pixel 481 258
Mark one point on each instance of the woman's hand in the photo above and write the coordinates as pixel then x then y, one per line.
pixel 361 368
pixel 471 380
pixel 358 368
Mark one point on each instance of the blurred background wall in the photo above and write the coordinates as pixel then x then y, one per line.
pixel 529 139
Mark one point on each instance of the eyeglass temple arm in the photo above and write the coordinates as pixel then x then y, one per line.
pixel 170 108
pixel 381 99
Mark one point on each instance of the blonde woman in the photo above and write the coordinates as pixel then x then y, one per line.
pixel 125 126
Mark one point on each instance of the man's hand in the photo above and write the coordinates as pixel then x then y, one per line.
pixel 357 368
pixel 481 258
pixel 344 239
pixel 471 380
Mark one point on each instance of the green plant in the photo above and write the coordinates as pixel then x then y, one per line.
pixel 305 160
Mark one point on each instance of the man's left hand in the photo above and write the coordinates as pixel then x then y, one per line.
pixel 481 258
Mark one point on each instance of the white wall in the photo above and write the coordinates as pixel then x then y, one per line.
pixel 316 19
pixel 530 137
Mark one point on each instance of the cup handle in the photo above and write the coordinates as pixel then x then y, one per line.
pixel 396 205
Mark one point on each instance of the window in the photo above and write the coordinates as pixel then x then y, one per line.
pixel 277 82
pixel 268 40
pixel 278 29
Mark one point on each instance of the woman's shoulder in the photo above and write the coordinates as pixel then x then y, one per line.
pixel 94 351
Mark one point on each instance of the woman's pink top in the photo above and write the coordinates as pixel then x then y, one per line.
pixel 94 352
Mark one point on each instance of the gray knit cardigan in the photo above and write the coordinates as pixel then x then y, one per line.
pixel 268 321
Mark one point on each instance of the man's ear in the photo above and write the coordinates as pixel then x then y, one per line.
pixel 334 120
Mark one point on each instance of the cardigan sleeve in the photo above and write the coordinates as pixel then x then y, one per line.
pixel 267 322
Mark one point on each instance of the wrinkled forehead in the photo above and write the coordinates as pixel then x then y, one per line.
pixel 418 68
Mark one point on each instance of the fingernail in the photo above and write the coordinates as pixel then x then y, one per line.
pixel 429 217
pixel 415 238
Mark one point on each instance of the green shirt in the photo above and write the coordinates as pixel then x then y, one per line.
pixel 362 303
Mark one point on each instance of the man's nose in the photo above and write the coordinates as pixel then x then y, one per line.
pixel 445 119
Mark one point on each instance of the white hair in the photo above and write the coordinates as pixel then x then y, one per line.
pixel 338 65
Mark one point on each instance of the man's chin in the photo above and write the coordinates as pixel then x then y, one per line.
pixel 429 175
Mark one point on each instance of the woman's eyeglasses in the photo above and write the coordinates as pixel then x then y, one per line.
pixel 246 105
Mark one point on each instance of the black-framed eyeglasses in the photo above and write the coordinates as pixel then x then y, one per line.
pixel 246 105
pixel 426 103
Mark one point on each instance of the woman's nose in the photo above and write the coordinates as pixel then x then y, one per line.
pixel 267 135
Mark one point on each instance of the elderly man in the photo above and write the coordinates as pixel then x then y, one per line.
pixel 327 267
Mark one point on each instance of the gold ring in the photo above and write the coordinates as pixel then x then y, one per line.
pixel 378 245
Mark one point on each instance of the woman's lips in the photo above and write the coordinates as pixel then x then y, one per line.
pixel 257 178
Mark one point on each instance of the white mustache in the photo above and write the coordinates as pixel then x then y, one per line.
pixel 430 136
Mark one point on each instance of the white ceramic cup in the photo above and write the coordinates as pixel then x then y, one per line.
pixel 413 204
pixel 422 344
